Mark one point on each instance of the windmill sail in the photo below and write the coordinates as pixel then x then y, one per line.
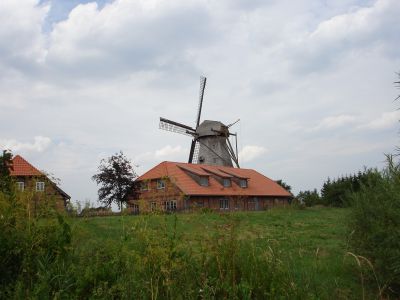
pixel 203 81
pixel 210 139
pixel 173 126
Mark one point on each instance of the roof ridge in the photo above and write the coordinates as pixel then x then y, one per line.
pixel 27 163
pixel 156 166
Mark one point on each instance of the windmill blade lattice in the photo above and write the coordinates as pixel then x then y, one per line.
pixel 195 159
pixel 169 125
pixel 203 81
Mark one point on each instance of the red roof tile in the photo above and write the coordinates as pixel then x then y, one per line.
pixel 217 172
pixel 258 184
pixel 21 167
pixel 195 171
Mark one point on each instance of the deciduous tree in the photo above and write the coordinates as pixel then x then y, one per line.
pixel 115 176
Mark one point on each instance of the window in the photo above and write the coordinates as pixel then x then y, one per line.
pixel 224 204
pixel 170 205
pixel 226 182
pixel 153 206
pixel 243 183
pixel 39 186
pixel 144 186
pixel 237 204
pixel 20 185
pixel 135 208
pixel 199 203
pixel 160 184
pixel 203 181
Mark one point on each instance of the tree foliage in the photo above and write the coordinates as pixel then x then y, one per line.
pixel 336 192
pixel 309 198
pixel 5 166
pixel 284 185
pixel 374 223
pixel 115 176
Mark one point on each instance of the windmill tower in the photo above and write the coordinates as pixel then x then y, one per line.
pixel 210 139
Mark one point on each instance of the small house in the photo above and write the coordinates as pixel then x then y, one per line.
pixel 28 178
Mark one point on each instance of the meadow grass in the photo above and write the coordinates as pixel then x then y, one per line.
pixel 310 244
pixel 282 253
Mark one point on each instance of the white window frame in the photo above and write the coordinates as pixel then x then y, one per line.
pixel 224 204
pixel 204 181
pixel 237 204
pixel 153 205
pixel 160 184
pixel 243 183
pixel 170 205
pixel 226 182
pixel 21 186
pixel 145 186
pixel 40 186
pixel 135 208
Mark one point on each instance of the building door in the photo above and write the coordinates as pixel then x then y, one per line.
pixel 256 204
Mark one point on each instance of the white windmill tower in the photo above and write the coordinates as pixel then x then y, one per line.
pixel 210 144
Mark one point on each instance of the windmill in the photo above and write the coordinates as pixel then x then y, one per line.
pixel 210 139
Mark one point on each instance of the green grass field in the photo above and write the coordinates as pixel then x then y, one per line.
pixel 311 244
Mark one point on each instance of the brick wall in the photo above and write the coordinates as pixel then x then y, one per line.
pixel 50 193
pixel 153 197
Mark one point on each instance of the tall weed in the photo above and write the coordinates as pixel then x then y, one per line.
pixel 31 236
pixel 375 224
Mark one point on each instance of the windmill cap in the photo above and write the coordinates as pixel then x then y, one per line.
pixel 209 127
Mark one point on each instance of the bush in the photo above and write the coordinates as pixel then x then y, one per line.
pixel 335 192
pixel 309 198
pixel 32 239
pixel 375 224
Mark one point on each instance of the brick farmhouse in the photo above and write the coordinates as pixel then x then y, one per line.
pixel 172 186
pixel 30 179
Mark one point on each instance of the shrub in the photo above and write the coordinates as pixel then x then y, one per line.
pixel 309 198
pixel 31 241
pixel 375 224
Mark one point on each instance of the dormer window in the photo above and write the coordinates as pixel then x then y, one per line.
pixel 160 184
pixel 243 183
pixel 204 181
pixel 226 182
pixel 20 185
pixel 40 186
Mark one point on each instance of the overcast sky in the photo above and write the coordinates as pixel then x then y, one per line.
pixel 311 81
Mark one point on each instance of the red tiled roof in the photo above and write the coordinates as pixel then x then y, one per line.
pixel 21 167
pixel 258 184
pixel 232 172
pixel 217 172
pixel 196 171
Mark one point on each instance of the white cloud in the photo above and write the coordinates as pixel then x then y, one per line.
pixel 128 36
pixel 39 144
pixel 21 40
pixel 333 122
pixel 169 152
pixel 251 152
pixel 386 120
pixel 353 32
